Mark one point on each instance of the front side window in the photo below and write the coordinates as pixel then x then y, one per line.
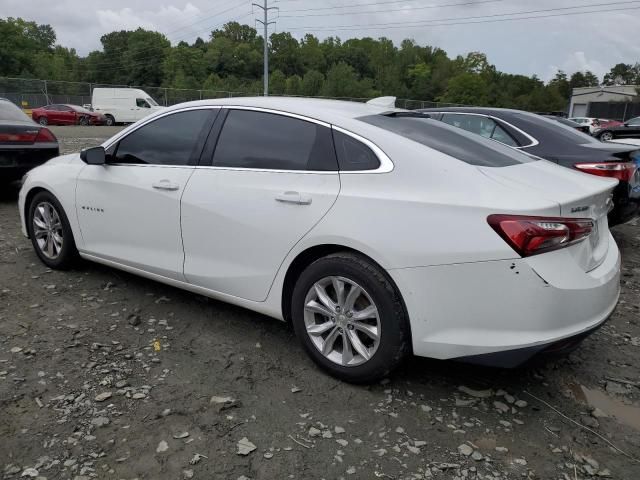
pixel 142 103
pixel 169 140
pixel 252 139
pixel 634 122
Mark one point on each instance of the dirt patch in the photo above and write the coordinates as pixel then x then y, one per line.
pixel 108 375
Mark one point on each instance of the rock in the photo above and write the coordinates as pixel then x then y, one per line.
pixel 138 396
pixel 501 407
pixel 616 388
pixel 339 430
pixel 502 449
pixel 413 449
pixel 133 319
pixel 268 455
pixel 100 421
pixel 245 447
pixel 426 408
pixel 509 398
pixel 224 403
pixel 122 383
pixel 29 472
pixel 477 456
pixel 464 403
pixel 342 442
pixel 520 461
pixel 314 432
pixel 180 435
pixel 380 452
pixel 419 443
pixel 196 458
pixel 597 413
pixel 162 447
pixel 465 449
pixel 604 473
pixel 351 470
pixel 399 430
pixel 476 393
pixel 521 404
pixel 589 421
pixel 101 397
pixel 16 350
pixel 296 390
pixel 186 474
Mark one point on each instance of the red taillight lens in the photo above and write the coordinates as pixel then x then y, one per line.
pixel 45 135
pixel 21 137
pixel 533 235
pixel 623 171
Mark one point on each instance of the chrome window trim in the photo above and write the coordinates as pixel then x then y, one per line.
pixel 533 140
pixel 386 165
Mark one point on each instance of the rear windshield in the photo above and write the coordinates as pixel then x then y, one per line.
pixel 539 126
pixel 467 147
pixel 8 111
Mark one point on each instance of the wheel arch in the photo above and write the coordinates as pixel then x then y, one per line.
pixel 310 255
pixel 29 198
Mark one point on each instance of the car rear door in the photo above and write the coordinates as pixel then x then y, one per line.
pixel 129 209
pixel 272 177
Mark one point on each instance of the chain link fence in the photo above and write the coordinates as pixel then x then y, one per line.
pixel 31 93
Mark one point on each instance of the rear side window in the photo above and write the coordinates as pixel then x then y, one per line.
pixel 251 139
pixel 455 142
pixel 352 154
pixel 480 125
pixel 169 140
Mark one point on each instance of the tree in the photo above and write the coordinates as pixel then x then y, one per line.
pixel 20 42
pixel 312 83
pixel 467 89
pixel 622 74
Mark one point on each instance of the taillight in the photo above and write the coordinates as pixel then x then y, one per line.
pixel 45 135
pixel 623 171
pixel 533 235
pixel 20 137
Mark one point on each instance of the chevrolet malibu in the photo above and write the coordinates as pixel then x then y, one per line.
pixel 376 232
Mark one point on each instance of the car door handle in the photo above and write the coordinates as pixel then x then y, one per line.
pixel 295 198
pixel 165 185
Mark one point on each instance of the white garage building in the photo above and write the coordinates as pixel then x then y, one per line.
pixel 581 98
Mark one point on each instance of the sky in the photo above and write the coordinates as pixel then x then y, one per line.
pixel 559 39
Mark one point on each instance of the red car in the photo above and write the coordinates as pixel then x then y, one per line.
pixel 61 114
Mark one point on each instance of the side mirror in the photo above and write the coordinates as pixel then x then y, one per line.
pixel 93 156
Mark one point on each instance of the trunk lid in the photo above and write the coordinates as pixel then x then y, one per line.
pixel 18 133
pixel 577 194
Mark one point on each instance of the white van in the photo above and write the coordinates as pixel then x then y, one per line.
pixel 123 105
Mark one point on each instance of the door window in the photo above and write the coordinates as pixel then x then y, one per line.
pixel 142 103
pixel 252 139
pixel 169 140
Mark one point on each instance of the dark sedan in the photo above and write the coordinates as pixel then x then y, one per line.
pixel 569 123
pixel 23 143
pixel 629 129
pixel 558 143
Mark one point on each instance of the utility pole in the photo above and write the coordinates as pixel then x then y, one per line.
pixel 265 23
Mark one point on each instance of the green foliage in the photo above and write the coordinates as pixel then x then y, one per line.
pixel 231 60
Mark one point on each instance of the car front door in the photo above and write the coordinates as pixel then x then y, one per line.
pixel 141 110
pixel 129 208
pixel 631 129
pixel 272 178
pixel 67 115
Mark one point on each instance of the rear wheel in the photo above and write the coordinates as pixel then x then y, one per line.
pixel 110 121
pixel 43 121
pixel 350 318
pixel 50 232
pixel 606 136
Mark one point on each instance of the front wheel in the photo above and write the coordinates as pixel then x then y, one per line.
pixel 606 136
pixel 84 121
pixel 349 317
pixel 50 232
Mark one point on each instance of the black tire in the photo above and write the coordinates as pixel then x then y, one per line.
pixel 43 121
pixel 110 121
pixel 394 339
pixel 605 136
pixel 68 254
pixel 84 121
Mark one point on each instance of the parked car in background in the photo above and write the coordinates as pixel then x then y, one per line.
pixel 589 122
pixel 23 143
pixel 375 231
pixel 629 129
pixel 559 144
pixel 65 114
pixel 569 123
pixel 123 105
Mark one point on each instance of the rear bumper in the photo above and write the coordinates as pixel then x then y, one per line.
pixel 474 309
pixel 16 161
pixel 626 201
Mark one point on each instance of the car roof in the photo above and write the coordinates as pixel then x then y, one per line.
pixel 326 110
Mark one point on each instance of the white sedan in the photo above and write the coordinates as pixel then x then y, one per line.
pixel 377 232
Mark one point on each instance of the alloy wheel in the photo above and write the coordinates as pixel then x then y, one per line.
pixel 47 230
pixel 606 136
pixel 342 321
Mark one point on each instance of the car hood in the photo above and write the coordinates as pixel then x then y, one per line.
pixel 62 159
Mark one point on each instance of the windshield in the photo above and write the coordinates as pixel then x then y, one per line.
pixel 455 142
pixel 151 102
pixel 9 111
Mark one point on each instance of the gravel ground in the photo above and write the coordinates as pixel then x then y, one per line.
pixel 107 375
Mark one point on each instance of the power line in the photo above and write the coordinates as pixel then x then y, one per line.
pixel 487 18
pixel 422 7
